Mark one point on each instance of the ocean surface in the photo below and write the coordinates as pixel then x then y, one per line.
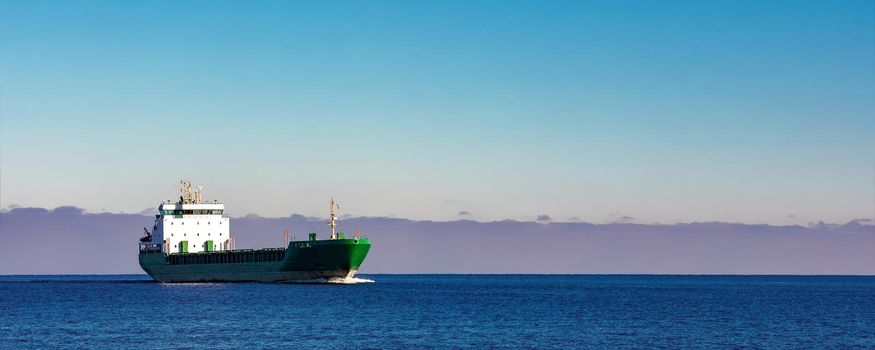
pixel 441 311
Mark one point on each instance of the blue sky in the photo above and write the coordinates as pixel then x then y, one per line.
pixel 751 111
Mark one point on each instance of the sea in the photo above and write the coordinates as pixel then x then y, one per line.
pixel 441 311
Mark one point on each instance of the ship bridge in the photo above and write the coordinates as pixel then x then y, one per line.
pixel 190 225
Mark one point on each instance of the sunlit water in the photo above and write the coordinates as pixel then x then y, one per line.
pixel 443 311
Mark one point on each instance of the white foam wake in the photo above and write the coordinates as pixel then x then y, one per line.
pixel 333 280
pixel 349 280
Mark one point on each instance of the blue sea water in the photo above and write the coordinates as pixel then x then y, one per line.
pixel 441 311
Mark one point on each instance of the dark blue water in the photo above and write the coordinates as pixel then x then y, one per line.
pixel 442 311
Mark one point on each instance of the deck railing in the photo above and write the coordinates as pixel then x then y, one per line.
pixel 227 256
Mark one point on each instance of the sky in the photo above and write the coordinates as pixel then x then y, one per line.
pixel 597 111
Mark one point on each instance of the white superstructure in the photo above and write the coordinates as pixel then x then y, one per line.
pixel 190 225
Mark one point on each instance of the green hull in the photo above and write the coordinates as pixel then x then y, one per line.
pixel 300 261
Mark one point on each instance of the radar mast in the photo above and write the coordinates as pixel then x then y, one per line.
pixel 187 195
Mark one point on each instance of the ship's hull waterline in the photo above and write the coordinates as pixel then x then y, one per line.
pixel 300 261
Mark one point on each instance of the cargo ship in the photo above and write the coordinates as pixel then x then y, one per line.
pixel 191 242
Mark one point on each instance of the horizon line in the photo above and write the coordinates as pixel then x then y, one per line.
pixel 504 274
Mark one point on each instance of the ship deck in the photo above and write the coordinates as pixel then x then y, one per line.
pixel 227 256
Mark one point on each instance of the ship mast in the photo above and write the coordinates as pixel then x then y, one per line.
pixel 332 218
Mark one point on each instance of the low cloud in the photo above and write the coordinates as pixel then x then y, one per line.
pixel 619 218
pixel 10 207
pixel 68 210
pixel 625 219
pixel 544 217
pixel 69 240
